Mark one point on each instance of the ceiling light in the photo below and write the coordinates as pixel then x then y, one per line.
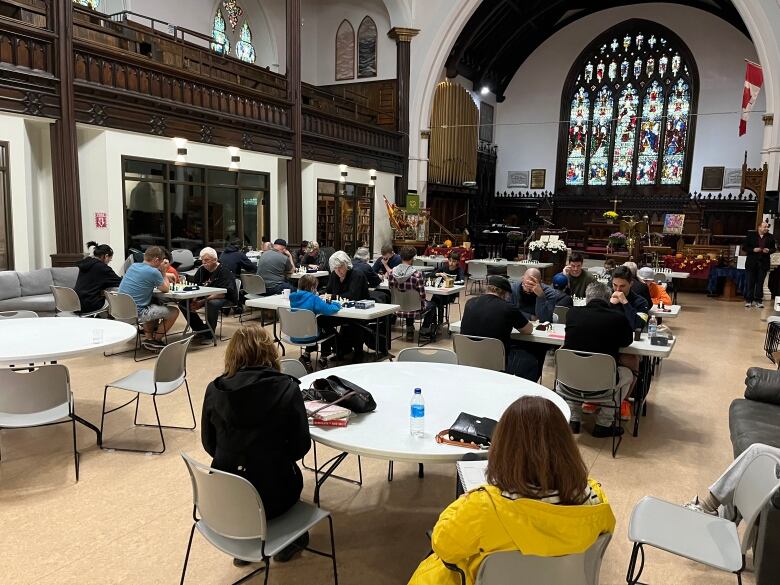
pixel 485 90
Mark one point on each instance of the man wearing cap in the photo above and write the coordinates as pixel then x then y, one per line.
pixel 315 256
pixel 492 315
pixel 274 266
pixel 657 292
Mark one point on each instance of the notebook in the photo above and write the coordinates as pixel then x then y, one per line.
pixel 471 474
pixel 324 411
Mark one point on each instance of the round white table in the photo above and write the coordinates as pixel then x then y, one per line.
pixel 448 390
pixel 48 339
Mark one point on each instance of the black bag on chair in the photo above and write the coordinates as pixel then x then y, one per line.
pixel 338 390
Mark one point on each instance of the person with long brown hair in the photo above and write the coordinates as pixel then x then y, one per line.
pixel 538 499
pixel 254 423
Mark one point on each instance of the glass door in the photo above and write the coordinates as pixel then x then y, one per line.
pixel 347 225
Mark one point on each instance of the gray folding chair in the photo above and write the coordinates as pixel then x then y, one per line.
pixel 513 271
pixel 477 275
pixel 122 307
pixel 433 355
pixel 293 368
pixel 184 257
pixel 589 377
pixel 299 324
pixel 18 315
pixel 229 513
pixel 706 539
pixel 37 397
pixel 67 303
pixel 168 375
pixel 596 270
pixel 561 313
pixel 479 352
pixel 254 286
pixel 409 302
pixel 501 568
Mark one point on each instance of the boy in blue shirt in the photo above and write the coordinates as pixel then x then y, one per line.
pixel 139 282
pixel 306 298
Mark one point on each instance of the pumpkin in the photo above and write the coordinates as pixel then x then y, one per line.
pixel 700 257
pixel 679 256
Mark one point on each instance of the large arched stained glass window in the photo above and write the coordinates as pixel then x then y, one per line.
pixel 221 42
pixel 366 48
pixel 245 50
pixel 629 102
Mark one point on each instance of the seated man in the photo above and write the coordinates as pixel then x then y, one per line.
pixel 657 292
pixel 637 286
pixel 523 296
pixel 579 279
pixel 139 282
pixel 596 328
pixel 306 298
pixel 407 277
pixel 211 273
pixel 626 300
pixel 360 264
pixel 549 297
pixel 387 261
pixel 314 256
pixel 275 265
pixel 234 259
pixel 451 270
pixel 492 315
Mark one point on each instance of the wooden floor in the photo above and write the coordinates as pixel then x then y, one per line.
pixel 128 518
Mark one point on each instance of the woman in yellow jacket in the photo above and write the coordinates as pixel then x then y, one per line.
pixel 538 499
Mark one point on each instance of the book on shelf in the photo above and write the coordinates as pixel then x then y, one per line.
pixel 321 410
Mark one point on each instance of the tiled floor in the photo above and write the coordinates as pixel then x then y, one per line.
pixel 128 519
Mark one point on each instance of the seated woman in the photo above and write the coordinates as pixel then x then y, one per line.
pixel 347 283
pixel 254 424
pixel 538 499
pixel 95 276
pixel 306 298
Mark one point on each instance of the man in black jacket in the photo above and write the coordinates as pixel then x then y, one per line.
pixel 626 300
pixel 759 245
pixel 234 259
pixel 211 273
pixel 360 263
pixel 598 328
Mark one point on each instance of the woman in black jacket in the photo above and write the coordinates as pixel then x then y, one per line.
pixel 254 422
pixel 95 276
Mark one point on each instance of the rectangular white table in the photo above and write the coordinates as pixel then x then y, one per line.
pixel 274 302
pixel 318 274
pixel 676 276
pixel 503 263
pixel 188 296
pixel 437 291
pixel 556 335
pixel 670 312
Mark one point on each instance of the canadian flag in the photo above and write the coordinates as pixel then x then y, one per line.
pixel 754 79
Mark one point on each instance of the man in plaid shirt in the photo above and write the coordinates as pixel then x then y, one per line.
pixel 407 277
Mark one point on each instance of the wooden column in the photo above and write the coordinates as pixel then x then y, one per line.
pixel 64 149
pixel 294 203
pixel 403 39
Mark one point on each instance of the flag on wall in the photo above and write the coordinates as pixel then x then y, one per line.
pixel 754 79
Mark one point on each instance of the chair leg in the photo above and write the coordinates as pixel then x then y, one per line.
pixel 389 471
pixel 187 555
pixel 631 577
pixel 75 450
pixel 420 470
pixel 333 552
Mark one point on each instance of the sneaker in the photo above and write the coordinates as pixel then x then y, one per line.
pixel 696 506
pixel 305 359
pixel 589 408
pixel 748 305
pixel 322 363
pixel 410 334
pixel 759 304
pixel 290 551
pixel 152 344
pixel 625 410
pixel 600 431
pixel 574 425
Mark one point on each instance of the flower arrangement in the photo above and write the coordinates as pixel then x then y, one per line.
pixel 551 246
pixel 610 215
pixel 448 243
pixel 696 265
pixel 617 240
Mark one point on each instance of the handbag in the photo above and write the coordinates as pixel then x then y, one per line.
pixel 469 430
pixel 335 389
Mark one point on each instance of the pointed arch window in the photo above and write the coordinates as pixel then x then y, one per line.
pixel 221 42
pixel 629 102
pixel 245 50
pixel 93 4
pixel 345 51
pixel 366 48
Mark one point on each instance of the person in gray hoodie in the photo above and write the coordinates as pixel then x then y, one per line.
pixel 406 277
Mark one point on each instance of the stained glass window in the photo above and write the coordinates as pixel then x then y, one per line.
pixel 221 42
pixel 244 48
pixel 366 47
pixel 578 138
pixel 93 4
pixel 233 11
pixel 629 104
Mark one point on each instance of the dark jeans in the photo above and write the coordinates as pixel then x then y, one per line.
pixel 525 360
pixel 754 282
pixel 277 289
pixel 212 314
pixel 428 319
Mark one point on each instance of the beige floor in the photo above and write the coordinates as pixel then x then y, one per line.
pixel 128 519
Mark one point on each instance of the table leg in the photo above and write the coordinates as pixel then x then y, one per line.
pixel 334 462
pixel 641 391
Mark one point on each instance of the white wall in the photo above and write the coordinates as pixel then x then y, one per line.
pixel 719 50
pixel 385 184
pixel 100 161
pixel 32 195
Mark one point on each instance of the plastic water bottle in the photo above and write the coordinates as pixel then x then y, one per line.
pixel 652 326
pixel 417 414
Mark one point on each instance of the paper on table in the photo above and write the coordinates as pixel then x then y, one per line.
pixel 741 262
pixel 471 474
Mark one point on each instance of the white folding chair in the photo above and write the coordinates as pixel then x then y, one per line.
pixel 168 375
pixel 122 307
pixel 515 271
pixel 299 324
pixel 409 302
pixel 589 377
pixel 254 287
pixel 293 368
pixel 67 303
pixel 479 352
pixel 477 275
pixel 230 515
pixel 501 568
pixel 596 270
pixel 185 258
pixel 561 313
pixel 433 355
pixel 706 539
pixel 37 397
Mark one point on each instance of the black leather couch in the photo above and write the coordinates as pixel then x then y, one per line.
pixel 756 419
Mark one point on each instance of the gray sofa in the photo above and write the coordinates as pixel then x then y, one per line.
pixel 756 419
pixel 30 291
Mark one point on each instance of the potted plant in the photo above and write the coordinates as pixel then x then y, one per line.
pixel 617 241
pixel 610 216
